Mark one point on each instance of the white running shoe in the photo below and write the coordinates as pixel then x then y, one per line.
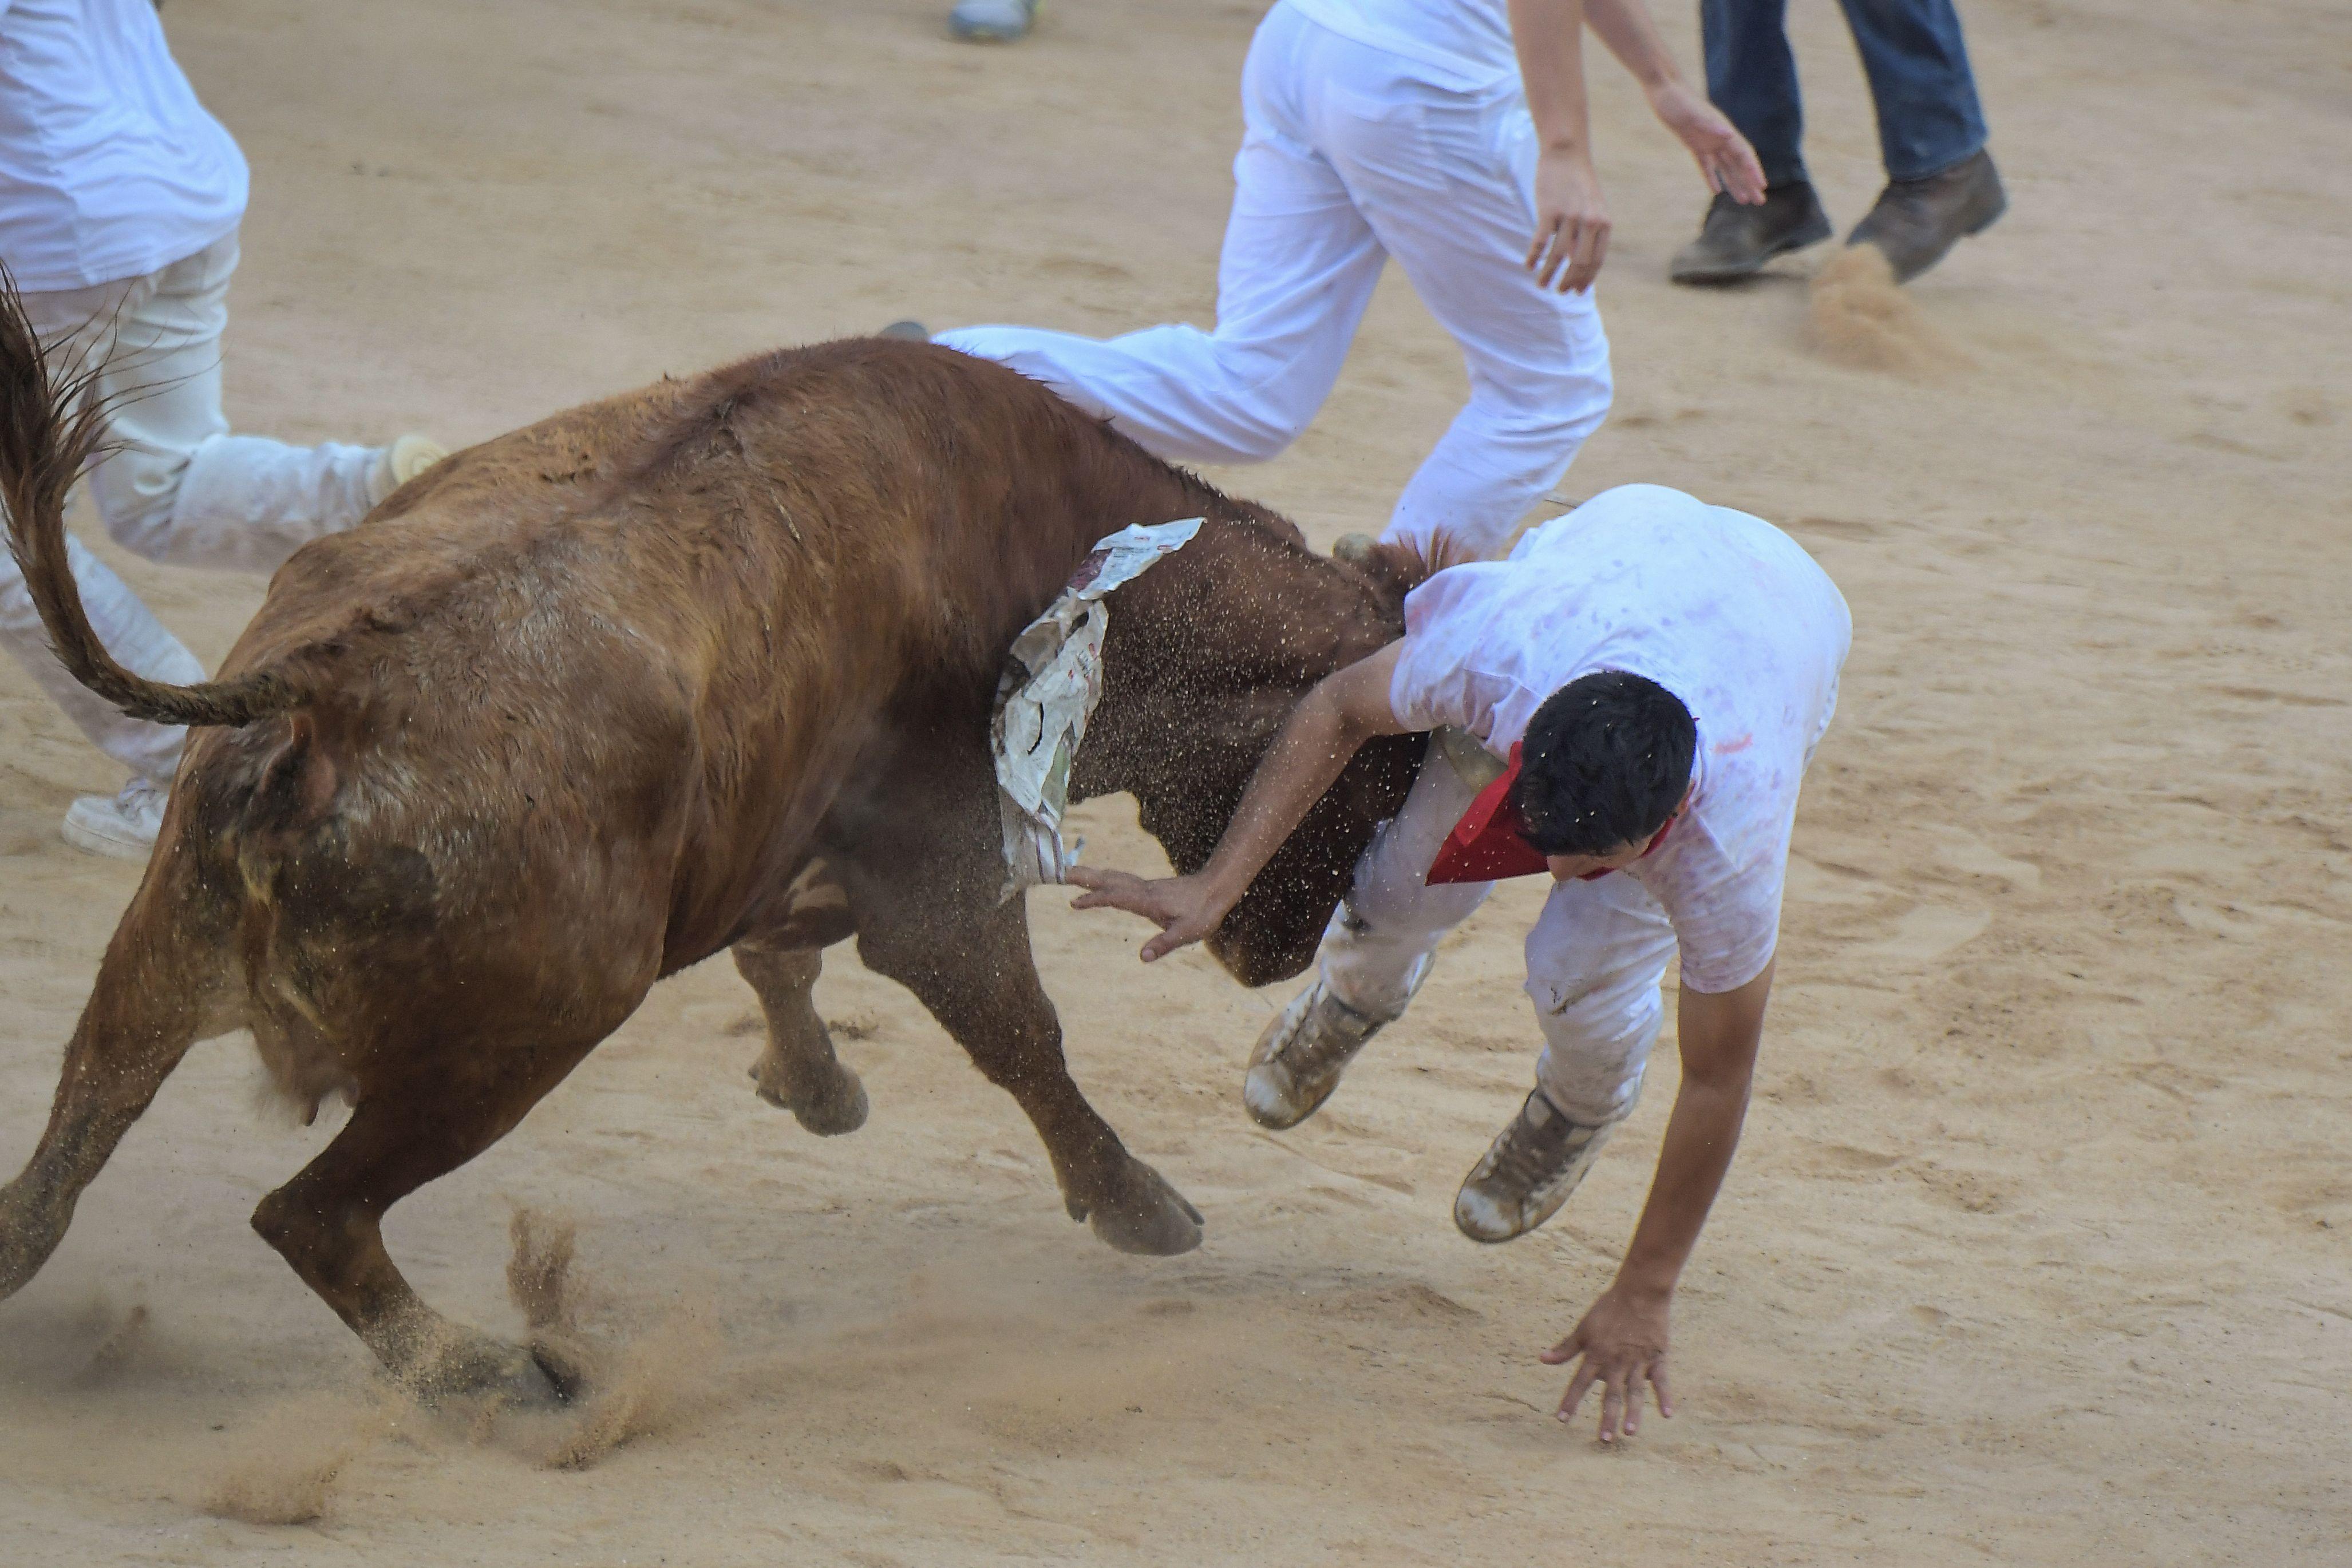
pixel 123 825
pixel 403 460
pixel 991 21
pixel 1529 1173
pixel 1301 1055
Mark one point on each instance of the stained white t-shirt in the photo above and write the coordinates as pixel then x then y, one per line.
pixel 1724 611
pixel 1465 44
pixel 109 166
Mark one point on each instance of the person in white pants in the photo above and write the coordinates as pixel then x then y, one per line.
pixel 1418 129
pixel 119 201
pixel 1658 673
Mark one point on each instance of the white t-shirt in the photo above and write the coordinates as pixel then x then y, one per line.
pixel 1724 611
pixel 109 166
pixel 1465 44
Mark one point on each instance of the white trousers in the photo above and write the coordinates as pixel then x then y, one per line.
pixel 1595 959
pixel 172 484
pixel 1348 158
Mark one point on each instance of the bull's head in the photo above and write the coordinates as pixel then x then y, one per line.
pixel 1207 654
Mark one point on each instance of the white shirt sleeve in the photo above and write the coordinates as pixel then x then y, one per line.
pixel 1724 899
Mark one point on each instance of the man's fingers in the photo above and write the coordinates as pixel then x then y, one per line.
pixel 1160 947
pixel 1174 934
pixel 1577 1385
pixel 1102 882
pixel 1591 246
pixel 1564 261
pixel 1111 893
pixel 1658 1382
pixel 1743 174
pixel 1555 257
pixel 1565 1351
pixel 1555 253
pixel 1634 1402
pixel 1544 254
pixel 1612 1405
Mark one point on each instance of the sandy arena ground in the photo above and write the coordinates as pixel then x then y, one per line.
pixel 2040 1246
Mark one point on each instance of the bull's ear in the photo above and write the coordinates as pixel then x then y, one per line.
pixel 1397 567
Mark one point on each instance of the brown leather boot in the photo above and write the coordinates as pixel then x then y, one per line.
pixel 1737 241
pixel 1916 222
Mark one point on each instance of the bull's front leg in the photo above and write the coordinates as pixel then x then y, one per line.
pixel 798 1070
pixel 943 937
pixel 782 957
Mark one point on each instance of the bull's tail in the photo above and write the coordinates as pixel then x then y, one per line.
pixel 49 428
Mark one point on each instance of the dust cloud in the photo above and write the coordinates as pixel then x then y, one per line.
pixel 1858 317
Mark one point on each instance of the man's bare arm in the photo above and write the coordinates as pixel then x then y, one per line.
pixel 1622 1339
pixel 1345 709
pixel 1724 157
pixel 1571 235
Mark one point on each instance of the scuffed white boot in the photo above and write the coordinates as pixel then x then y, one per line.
pixel 125 825
pixel 1301 1055
pixel 1529 1173
pixel 403 460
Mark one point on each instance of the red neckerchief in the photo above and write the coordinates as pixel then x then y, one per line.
pixel 1489 843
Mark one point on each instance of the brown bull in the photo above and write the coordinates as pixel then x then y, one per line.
pixel 710 665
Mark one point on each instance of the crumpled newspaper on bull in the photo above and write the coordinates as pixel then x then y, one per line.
pixel 1052 680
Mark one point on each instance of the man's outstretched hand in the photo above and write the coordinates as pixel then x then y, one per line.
pixel 1624 1342
pixel 1724 156
pixel 1185 908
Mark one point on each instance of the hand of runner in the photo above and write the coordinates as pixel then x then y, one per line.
pixel 1624 1342
pixel 1185 908
pixel 1723 154
pixel 1571 222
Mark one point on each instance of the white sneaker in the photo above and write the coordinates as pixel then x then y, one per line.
pixel 991 21
pixel 1301 1055
pixel 123 825
pixel 403 460
pixel 1529 1173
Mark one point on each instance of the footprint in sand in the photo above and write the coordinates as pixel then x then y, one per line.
pixel 1927 931
pixel 1964 851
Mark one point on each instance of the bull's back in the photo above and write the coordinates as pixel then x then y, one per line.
pixel 614 669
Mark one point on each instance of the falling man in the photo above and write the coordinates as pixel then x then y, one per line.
pixel 1629 702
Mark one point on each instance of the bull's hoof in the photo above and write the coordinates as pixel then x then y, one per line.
pixel 562 1363
pixel 835 1105
pixel 1145 1215
pixel 541 1376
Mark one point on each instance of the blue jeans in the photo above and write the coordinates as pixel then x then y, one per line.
pixel 1928 117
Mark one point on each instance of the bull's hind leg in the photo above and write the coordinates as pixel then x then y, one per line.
pixel 328 1221
pixel 798 1070
pixel 967 959
pixel 141 1017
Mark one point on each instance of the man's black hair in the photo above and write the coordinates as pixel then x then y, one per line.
pixel 1606 760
